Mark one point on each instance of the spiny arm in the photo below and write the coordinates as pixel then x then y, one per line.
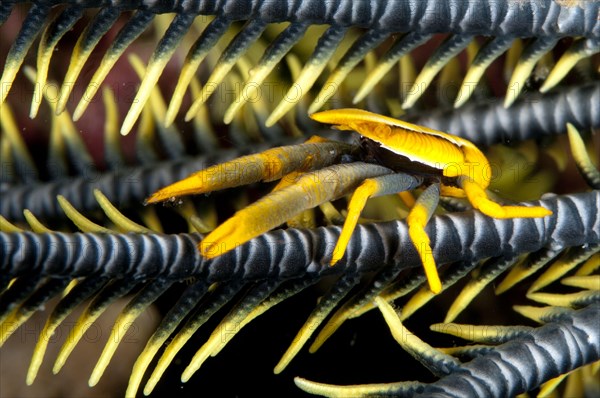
pixel 294 252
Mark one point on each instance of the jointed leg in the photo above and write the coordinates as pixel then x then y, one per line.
pixel 417 219
pixel 479 199
pixel 308 190
pixel 269 165
pixel 407 198
pixel 371 187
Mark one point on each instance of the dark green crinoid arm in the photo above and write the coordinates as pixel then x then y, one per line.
pixel 292 253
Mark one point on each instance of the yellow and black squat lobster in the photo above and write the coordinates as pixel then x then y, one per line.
pixel 449 165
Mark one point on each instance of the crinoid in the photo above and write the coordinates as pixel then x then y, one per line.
pixel 227 87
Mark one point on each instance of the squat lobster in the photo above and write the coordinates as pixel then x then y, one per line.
pixel 395 156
